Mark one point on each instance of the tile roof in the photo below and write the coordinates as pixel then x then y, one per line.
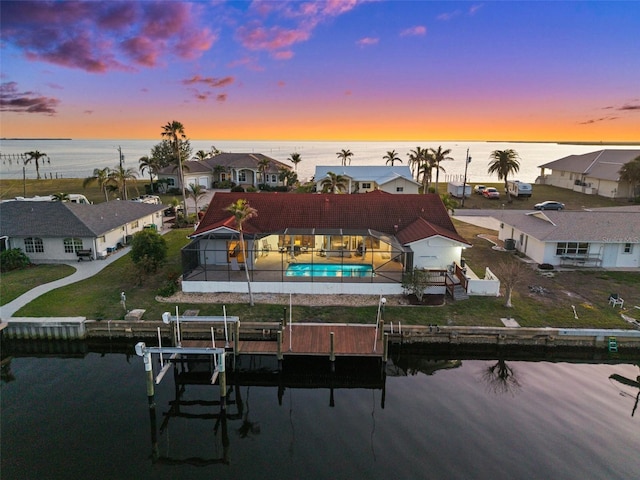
pixel 229 160
pixel 56 219
pixel 408 217
pixel 577 226
pixel 603 164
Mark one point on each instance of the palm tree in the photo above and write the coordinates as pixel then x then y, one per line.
pixel 345 156
pixel 504 163
pixel 287 177
pixel 334 183
pixel 425 170
pixel 120 176
pixel 35 156
pixel 416 157
pixel 630 172
pixel 263 166
pixel 174 132
pixel 218 170
pixel 60 197
pixel 100 176
pixel 391 157
pixel 449 203
pixel 196 192
pixel 151 165
pixel 201 155
pixel 242 212
pixel 295 158
pixel 439 155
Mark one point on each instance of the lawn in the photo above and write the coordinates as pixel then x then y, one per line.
pixel 17 282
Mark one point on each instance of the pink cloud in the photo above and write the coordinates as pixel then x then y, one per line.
pixel 366 41
pixel 209 81
pixel 11 100
pixel 449 15
pixel 101 36
pixel 221 97
pixel 474 8
pixel 418 30
pixel 257 37
pixel 283 55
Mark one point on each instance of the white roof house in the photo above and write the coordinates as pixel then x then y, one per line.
pixel 363 179
pixel 605 237
pixel 595 173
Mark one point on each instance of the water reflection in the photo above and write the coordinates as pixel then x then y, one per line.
pixel 634 384
pixel 501 378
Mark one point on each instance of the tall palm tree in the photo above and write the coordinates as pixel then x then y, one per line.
pixel 287 177
pixel 101 177
pixel 295 158
pixel 119 176
pixel 425 170
pixel 263 166
pixel 334 183
pixel 416 157
pixel 504 163
pixel 201 155
pixel 439 156
pixel 391 157
pixel 151 165
pixel 196 192
pixel 242 212
pixel 345 156
pixel 35 156
pixel 60 197
pixel 174 132
pixel 630 172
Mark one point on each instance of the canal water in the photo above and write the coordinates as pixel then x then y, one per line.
pixel 446 418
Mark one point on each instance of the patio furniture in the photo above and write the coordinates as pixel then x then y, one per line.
pixel 616 301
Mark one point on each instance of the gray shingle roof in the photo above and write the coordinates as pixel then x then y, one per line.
pixel 56 219
pixel 229 160
pixel 380 174
pixel 577 226
pixel 603 164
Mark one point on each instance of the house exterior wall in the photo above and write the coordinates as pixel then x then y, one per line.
pixel 435 253
pixel 592 185
pixel 400 183
pixel 53 249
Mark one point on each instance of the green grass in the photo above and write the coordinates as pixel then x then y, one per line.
pixel 17 282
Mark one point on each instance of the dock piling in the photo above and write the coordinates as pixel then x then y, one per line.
pixel 332 352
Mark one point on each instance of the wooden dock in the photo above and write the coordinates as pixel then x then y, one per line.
pixel 310 339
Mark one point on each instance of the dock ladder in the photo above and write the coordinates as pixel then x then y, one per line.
pixel 613 344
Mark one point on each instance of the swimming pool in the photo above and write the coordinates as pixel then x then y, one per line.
pixel 329 270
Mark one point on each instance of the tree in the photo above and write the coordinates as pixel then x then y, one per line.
pixel 35 156
pixel 334 183
pixel 100 176
pixel 60 197
pixel 504 163
pixel 287 177
pixel 449 203
pixel 295 158
pixel 242 212
pixel 119 176
pixel 196 192
pixel 416 282
pixel 425 170
pixel 510 273
pixel 164 153
pixel 148 250
pixel 13 259
pixel 201 155
pixel 174 132
pixel 391 157
pixel 439 156
pixel 345 156
pixel 263 166
pixel 151 165
pixel 416 157
pixel 630 172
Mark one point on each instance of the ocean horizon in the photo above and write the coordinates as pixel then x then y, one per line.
pixel 69 158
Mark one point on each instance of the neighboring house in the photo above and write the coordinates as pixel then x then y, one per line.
pixel 55 231
pixel 605 237
pixel 363 179
pixel 595 173
pixel 232 168
pixel 294 235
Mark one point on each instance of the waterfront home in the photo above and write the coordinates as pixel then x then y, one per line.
pixel 603 237
pixel 594 173
pixel 320 243
pixel 367 178
pixel 57 231
pixel 227 169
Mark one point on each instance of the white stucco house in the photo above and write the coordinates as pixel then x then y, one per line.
pixel 56 231
pixel 363 178
pixel 603 237
pixel 594 173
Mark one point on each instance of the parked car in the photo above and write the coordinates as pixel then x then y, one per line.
pixel 549 205
pixel 479 189
pixel 491 193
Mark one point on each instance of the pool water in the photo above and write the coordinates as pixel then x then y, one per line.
pixel 329 270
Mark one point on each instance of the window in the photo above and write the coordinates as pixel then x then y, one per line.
pixel 33 245
pixel 72 245
pixel 572 248
pixel 628 248
pixel 366 184
pixel 399 189
pixel 171 182
pixel 135 224
pixel 223 177
pixel 274 178
pixel 242 176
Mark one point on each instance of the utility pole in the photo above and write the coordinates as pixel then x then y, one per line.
pixel 464 183
pixel 124 180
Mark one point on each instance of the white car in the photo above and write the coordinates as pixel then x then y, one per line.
pixel 479 189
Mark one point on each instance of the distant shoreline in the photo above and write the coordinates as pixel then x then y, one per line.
pixel 32 139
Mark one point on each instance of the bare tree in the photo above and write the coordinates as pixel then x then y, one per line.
pixel 510 272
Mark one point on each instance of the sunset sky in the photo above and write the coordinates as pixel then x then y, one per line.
pixel 322 70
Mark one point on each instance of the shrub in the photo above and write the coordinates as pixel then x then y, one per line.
pixel 148 250
pixel 237 188
pixel 545 266
pixel 13 259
